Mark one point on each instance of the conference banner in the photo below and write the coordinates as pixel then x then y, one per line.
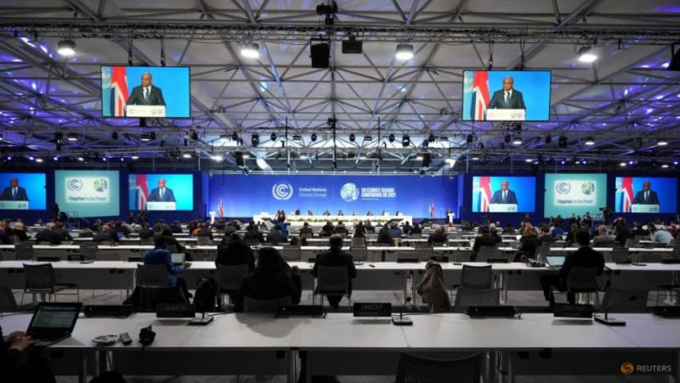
pixel 88 193
pixel 567 194
pixel 245 196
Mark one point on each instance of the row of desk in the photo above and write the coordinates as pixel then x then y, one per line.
pixel 340 344
pixel 371 276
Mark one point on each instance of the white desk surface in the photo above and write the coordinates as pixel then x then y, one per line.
pixel 343 332
pixel 365 266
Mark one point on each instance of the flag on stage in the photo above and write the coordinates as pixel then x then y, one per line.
pixel 220 209
pixel 626 194
pixel 432 210
pixel 485 194
pixel 120 91
pixel 480 90
pixel 142 191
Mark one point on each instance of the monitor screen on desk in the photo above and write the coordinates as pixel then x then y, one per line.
pixel 141 92
pixel 506 95
pixel 22 191
pixel 646 195
pixel 499 194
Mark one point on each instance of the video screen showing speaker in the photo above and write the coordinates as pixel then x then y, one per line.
pixel 22 191
pixel 161 192
pixel 87 193
pixel 145 92
pixel 498 194
pixel 646 195
pixel 575 193
pixel 506 95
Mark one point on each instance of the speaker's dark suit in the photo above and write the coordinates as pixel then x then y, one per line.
pixel 516 100
pixel 137 96
pixel 511 198
pixel 652 199
pixel 8 196
pixel 156 196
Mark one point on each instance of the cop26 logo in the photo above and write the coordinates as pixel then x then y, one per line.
pixel 563 187
pixel 282 191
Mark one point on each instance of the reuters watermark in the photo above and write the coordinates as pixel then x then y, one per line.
pixel 628 368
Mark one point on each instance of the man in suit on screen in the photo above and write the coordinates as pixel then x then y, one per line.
pixel 147 93
pixel 508 97
pixel 505 195
pixel 14 192
pixel 646 196
pixel 161 193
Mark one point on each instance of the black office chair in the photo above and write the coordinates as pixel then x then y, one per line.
pixel 41 279
pixel 89 251
pixel 24 252
pixel 414 369
pixel 625 301
pixel 358 242
pixel 466 297
pixel 583 280
pixel 487 252
pixel 252 305
pixel 332 280
pixel 144 299
pixel 476 277
pixel 152 276
pixel 359 254
pixel 229 279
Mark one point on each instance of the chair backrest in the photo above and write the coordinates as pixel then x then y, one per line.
pixel 252 241
pixel 650 257
pixel 39 276
pixel 144 299
pixel 676 253
pixel 152 276
pixel 422 253
pixel 631 242
pixel 466 297
pixel 252 305
pixel 230 276
pixel 204 241
pixel 486 252
pixel 306 235
pixel 582 279
pixel 625 301
pixel 543 250
pixel 359 254
pixel 620 254
pixel 146 241
pixel 358 242
pixel 24 251
pixel 414 369
pixel 476 277
pixel 332 279
pixel 291 253
pixel 89 251
pixel 7 301
pixel 422 245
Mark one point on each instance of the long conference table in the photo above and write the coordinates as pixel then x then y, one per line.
pixel 371 276
pixel 339 344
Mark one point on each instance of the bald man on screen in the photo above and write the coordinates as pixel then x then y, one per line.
pixel 161 193
pixel 147 93
pixel 508 97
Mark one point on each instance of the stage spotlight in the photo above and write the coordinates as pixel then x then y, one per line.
pixel 507 138
pixel 368 138
pixel 662 142
pixel 320 53
pixel 313 137
pixel 470 138
pixel 562 142
pixel 66 48
pixel 590 141
pixel 405 140
pixel 273 137
pixel 255 140
pixel 251 51
pixel 391 138
pixel 297 137
pixel 352 137
pixel 587 55
pixel 517 140
pixel 404 52
pixel 114 135
pixel 352 46
pixel 145 137
pixel 72 137
pixel 431 137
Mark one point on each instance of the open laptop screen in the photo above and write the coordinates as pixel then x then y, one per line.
pixel 55 317
pixel 178 258
pixel 555 260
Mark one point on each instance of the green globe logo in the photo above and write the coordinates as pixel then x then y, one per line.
pixel 588 188
pixel 349 192
pixel 101 185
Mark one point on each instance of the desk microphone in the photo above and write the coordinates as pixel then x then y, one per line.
pixel 605 320
pixel 401 321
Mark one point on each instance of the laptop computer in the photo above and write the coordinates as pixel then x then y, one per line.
pixel 555 261
pixel 53 322
pixel 178 259
pixel 120 234
pixel 75 234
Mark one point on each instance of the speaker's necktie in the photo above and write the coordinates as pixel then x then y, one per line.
pixel 146 94
pixel 507 96
pixel 162 193
pixel 14 193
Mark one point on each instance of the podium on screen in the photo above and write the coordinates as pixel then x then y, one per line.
pixel 14 205
pixel 166 206
pixel 503 208
pixel 643 208
pixel 145 111
pixel 506 114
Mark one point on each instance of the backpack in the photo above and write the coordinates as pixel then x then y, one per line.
pixel 206 294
